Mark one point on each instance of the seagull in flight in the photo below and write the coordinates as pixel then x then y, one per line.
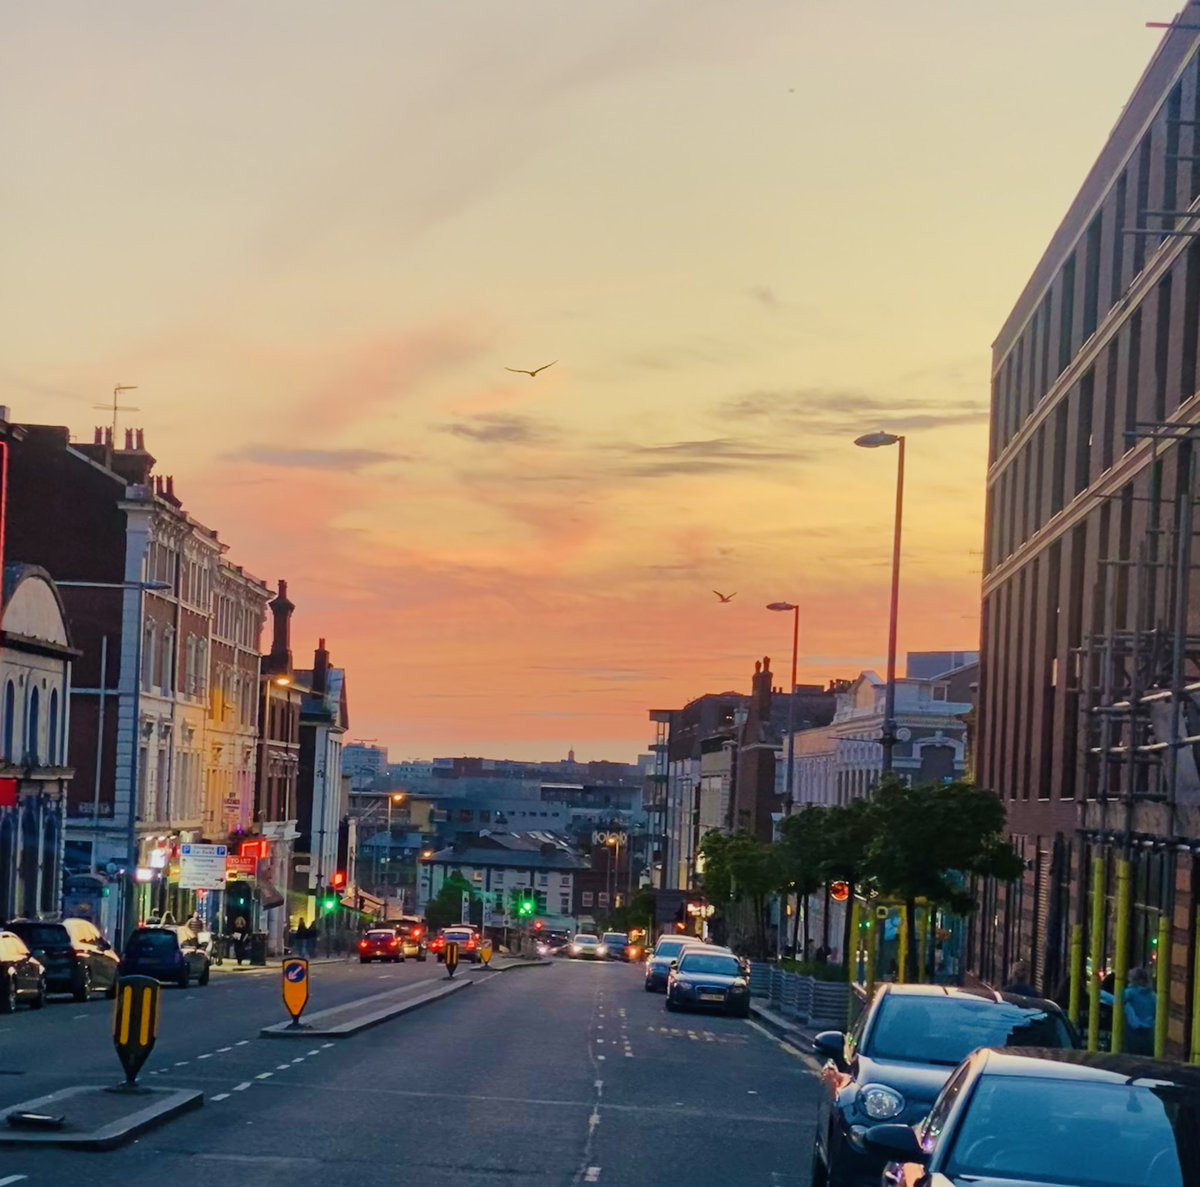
pixel 531 374
pixel 725 597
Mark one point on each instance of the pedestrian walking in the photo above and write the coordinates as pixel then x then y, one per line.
pixel 1141 1006
pixel 1018 981
pixel 240 935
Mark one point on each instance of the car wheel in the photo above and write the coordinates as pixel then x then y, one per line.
pixel 8 998
pixel 203 978
pixel 820 1176
pixel 670 1004
pixel 111 991
pixel 363 960
pixel 422 957
pixel 83 986
pixel 40 1000
pixel 185 977
pixel 649 987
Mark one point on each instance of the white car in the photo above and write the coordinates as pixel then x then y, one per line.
pixel 587 947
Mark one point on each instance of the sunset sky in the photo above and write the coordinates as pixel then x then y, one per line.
pixel 314 234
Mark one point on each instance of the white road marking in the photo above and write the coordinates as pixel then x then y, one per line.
pixel 74 1018
pixel 601 1057
pixel 314 1051
pixel 221 1050
pixel 182 1062
pixel 592 1174
pixel 241 1042
pixel 790 1049
pixel 298 1059
pixel 326 1046
pixel 762 1030
pixel 209 1055
pixel 242 1086
pixel 220 1096
pixel 264 1075
pixel 282 1067
pixel 12 1179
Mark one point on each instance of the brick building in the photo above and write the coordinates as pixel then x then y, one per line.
pixel 1091 620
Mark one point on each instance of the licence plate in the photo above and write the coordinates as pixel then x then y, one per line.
pixel 712 997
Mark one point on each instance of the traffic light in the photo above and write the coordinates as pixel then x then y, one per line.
pixel 239 905
pixel 328 900
pixel 338 881
pixel 525 905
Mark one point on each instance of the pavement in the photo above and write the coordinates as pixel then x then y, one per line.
pixel 567 1076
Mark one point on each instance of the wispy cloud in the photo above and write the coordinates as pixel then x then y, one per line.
pixel 499 428
pixel 344 460
pixel 714 455
pixel 766 296
pixel 838 412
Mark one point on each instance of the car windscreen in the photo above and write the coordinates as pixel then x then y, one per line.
pixel 1031 1129
pixel 701 962
pixel 42 935
pixel 586 939
pixel 945 1030
pixel 459 937
pixel 152 941
pixel 615 939
pixel 380 935
pixel 670 948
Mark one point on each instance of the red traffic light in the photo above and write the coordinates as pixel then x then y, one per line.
pixel 338 880
pixel 538 925
pixel 839 891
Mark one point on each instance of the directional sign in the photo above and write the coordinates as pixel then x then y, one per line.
pixel 295 987
pixel 202 867
pixel 135 1023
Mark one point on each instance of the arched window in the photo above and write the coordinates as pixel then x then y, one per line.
pixel 10 716
pixel 52 748
pixel 189 686
pixel 148 669
pixel 166 681
pixel 50 866
pixel 201 667
pixel 33 733
pixel 8 855
pixel 31 849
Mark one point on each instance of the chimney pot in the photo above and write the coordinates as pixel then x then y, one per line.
pixel 108 437
pixel 99 438
pixel 170 486
pixel 128 440
pixel 141 440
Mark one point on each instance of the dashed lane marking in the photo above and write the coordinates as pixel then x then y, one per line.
pixel 264 1075
pixel 282 1067
pixel 220 1096
pixel 222 1050
pixel 12 1179
pixel 592 1174
pixel 242 1086
pixel 241 1042
pixel 207 1055
pixel 314 1051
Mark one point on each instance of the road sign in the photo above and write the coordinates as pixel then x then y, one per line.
pixel 245 867
pixel 295 987
pixel 135 1023
pixel 202 867
pixel 451 958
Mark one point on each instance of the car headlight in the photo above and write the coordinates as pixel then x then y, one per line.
pixel 601 949
pixel 881 1103
pixel 739 987
pixel 574 947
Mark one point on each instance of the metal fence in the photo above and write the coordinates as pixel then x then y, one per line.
pixel 803 999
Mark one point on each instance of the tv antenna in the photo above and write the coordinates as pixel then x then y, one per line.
pixel 117 407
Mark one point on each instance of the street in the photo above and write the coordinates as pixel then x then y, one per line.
pixel 559 1075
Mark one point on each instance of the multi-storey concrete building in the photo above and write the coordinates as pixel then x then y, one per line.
pixel 1091 621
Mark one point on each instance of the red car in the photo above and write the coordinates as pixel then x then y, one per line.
pixel 467 939
pixel 380 943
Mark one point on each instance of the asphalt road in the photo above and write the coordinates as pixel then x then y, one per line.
pixel 563 1075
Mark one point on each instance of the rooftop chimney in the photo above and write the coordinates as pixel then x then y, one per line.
pixel 132 463
pixel 761 694
pixel 320 676
pixel 280 659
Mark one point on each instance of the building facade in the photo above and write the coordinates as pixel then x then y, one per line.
pixel 1091 620
pixel 35 686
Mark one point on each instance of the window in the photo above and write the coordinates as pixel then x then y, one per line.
pixel 32 734
pixel 543 879
pixel 10 710
pixel 586 898
pixel 497 877
pixel 52 752
pixel 148 641
pixel 1066 318
pixel 564 905
pixel 1083 430
pixel 167 666
pixel 602 899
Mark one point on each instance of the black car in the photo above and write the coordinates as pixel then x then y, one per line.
pixel 22 977
pixel 658 963
pixel 700 979
pixel 159 952
pixel 1026 1118
pixel 77 958
pixel 901 1051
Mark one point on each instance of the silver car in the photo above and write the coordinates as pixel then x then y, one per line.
pixel 668 948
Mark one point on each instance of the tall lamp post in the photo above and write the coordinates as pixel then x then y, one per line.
pixel 396 798
pixel 125 919
pixel 888 735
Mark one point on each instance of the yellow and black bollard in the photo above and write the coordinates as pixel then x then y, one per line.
pixel 135 1024
pixel 485 952
pixel 451 958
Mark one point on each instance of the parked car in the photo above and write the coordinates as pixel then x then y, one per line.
pixel 1026 1118
pixel 668 948
pixel 159 952
pixel 895 1061
pixel 380 943
pixel 22 977
pixel 414 938
pixel 702 979
pixel 76 957
pixel 586 946
pixel 465 936
pixel 617 943
pixel 551 942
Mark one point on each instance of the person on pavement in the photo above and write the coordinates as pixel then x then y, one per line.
pixel 1141 1005
pixel 240 936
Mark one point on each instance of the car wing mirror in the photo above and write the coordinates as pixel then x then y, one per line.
pixel 897 1143
pixel 832 1045
pixel 674 964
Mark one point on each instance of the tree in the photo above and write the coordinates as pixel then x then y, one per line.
pixel 446 907
pixel 849 834
pixel 740 869
pixel 928 838
pixel 803 849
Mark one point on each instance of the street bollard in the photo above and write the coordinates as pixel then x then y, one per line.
pixel 135 1025
pixel 485 952
pixel 451 959
pixel 294 982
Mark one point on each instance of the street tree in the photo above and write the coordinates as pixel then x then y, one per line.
pixel 928 839
pixel 445 908
pixel 739 869
pixel 803 850
pixel 849 834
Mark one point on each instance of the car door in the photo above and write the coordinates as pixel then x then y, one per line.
pixel 102 960
pixel 22 961
pixel 83 937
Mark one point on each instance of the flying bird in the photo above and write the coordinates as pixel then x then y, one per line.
pixel 531 374
pixel 725 597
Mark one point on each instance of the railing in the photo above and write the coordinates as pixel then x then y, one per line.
pixel 804 999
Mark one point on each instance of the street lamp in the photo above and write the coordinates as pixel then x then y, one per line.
pixel 395 798
pixel 888 736
pixel 135 713
pixel 782 607
pixel 613 844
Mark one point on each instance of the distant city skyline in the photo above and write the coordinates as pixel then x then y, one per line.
pixel 745 233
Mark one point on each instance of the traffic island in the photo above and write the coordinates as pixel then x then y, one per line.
pixel 93 1117
pixel 507 964
pixel 340 1022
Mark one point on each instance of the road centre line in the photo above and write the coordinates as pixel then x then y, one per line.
pixel 264 1075
pixel 12 1179
pixel 242 1086
pixel 220 1096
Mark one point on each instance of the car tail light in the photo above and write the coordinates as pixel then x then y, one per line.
pixel 391 943
pixel 363 945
